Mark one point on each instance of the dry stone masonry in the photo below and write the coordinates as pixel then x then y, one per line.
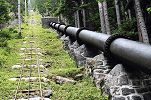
pixel 114 80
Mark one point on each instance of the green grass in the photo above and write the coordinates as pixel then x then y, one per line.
pixel 9 44
pixel 63 65
pixel 83 90
pixel 60 64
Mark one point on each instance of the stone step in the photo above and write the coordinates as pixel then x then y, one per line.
pixel 31 59
pixel 31 53
pixel 25 42
pixel 49 91
pixel 32 79
pixel 62 80
pixel 26 66
pixel 35 98
pixel 29 37
pixel 22 49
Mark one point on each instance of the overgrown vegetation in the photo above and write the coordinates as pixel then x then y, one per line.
pixel 67 9
pixel 9 44
pixel 4 11
pixel 59 64
pixel 7 37
pixel 9 10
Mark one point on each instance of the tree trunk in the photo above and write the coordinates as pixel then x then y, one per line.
pixel 25 8
pixel 129 13
pixel 81 18
pixel 78 19
pixel 122 10
pixel 143 36
pixel 19 19
pixel 84 18
pixel 107 24
pixel 75 19
pixel 84 15
pixel 117 13
pixel 66 21
pixel 59 19
pixel 62 18
pixel 103 29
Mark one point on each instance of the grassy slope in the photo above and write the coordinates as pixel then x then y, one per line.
pixel 8 51
pixel 61 64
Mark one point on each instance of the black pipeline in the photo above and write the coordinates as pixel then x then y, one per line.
pixel 128 51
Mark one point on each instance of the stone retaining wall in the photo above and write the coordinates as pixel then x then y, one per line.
pixel 117 81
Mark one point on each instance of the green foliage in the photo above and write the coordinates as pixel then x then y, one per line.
pixel 4 11
pixel 149 10
pixel 8 52
pixel 8 10
pixel 83 90
pixel 40 4
pixel 5 35
pixel 85 6
pixel 127 27
pixel 61 64
pixel 100 0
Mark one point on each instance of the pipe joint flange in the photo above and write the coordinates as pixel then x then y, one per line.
pixel 109 41
pixel 54 26
pixel 78 32
pixel 51 24
pixel 65 29
pixel 59 27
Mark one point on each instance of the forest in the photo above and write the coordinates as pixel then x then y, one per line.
pixel 131 17
pixel 38 63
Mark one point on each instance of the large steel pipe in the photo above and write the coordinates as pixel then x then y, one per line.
pixel 126 50
pixel 61 28
pixel 56 26
pixel 71 31
pixel 133 52
pixel 93 38
pixel 52 25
